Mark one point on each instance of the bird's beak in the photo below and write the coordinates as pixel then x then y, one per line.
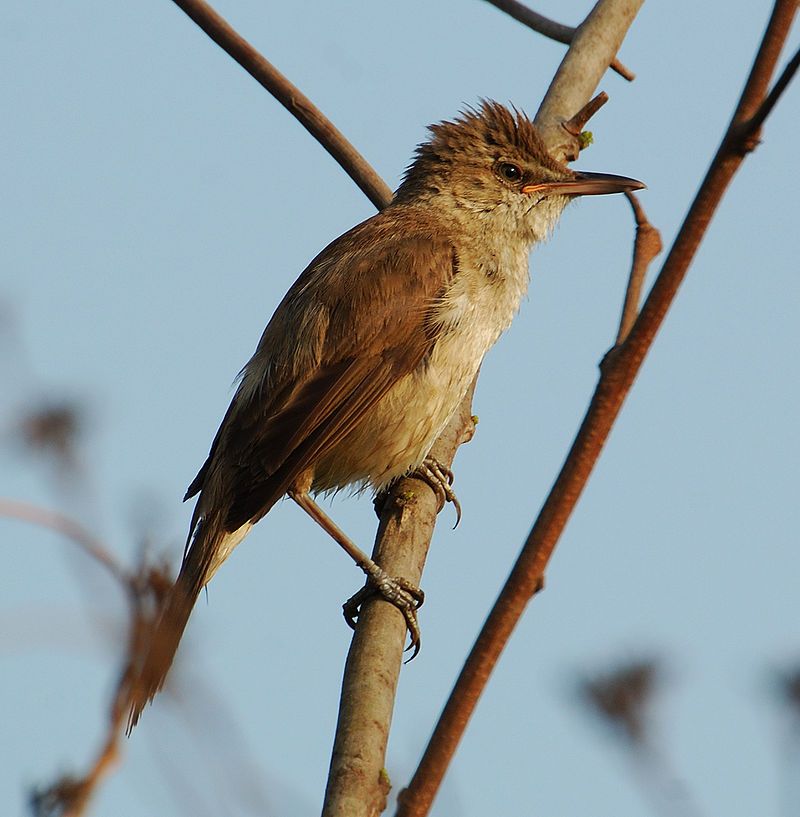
pixel 586 184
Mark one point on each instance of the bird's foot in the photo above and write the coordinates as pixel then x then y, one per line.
pixel 440 478
pixel 404 595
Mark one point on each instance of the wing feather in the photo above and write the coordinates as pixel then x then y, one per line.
pixel 354 323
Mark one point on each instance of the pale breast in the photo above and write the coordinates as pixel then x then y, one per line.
pixel 400 429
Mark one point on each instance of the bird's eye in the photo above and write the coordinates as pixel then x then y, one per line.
pixel 509 171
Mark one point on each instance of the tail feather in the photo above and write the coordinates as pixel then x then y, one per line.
pixel 159 644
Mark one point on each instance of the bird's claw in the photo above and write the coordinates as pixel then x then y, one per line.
pixel 404 595
pixel 440 478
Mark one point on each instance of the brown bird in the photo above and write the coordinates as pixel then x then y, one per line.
pixel 372 349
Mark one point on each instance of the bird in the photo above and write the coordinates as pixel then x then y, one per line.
pixel 371 351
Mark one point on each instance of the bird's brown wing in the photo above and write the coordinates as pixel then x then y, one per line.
pixel 354 323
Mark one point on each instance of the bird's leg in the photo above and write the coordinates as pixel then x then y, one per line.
pixel 440 478
pixel 404 595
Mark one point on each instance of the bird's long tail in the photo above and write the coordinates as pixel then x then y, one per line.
pixel 209 548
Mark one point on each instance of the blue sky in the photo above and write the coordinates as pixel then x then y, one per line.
pixel 159 203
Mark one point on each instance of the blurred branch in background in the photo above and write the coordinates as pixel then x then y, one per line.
pixel 70 529
pixel 53 430
pixel 143 588
pixel 623 699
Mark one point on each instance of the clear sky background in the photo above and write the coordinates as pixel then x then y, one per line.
pixel 157 203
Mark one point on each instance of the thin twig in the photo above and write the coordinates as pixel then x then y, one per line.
pixel 550 28
pixel 757 119
pixel 292 98
pixel 646 247
pixel 617 376
pixel 575 124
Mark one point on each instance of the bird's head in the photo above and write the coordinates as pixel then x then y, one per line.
pixel 490 167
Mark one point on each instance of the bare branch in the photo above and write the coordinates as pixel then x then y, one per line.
pixel 580 72
pixel 645 248
pixel 292 98
pixel 753 125
pixel 356 779
pixel 550 28
pixel 617 375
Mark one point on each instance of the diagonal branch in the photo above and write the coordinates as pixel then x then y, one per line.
pixel 550 28
pixel 617 376
pixel 292 98
pixel 580 73
pixel 357 784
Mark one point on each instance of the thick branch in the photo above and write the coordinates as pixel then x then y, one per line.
pixel 601 33
pixel 550 28
pixel 292 98
pixel 618 373
pixel 356 782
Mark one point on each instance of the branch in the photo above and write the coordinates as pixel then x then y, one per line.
pixel 356 782
pixel 70 796
pixel 550 28
pixel 645 248
pixel 580 72
pixel 294 100
pixel 144 589
pixel 617 375
pixel 575 124
pixel 753 125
